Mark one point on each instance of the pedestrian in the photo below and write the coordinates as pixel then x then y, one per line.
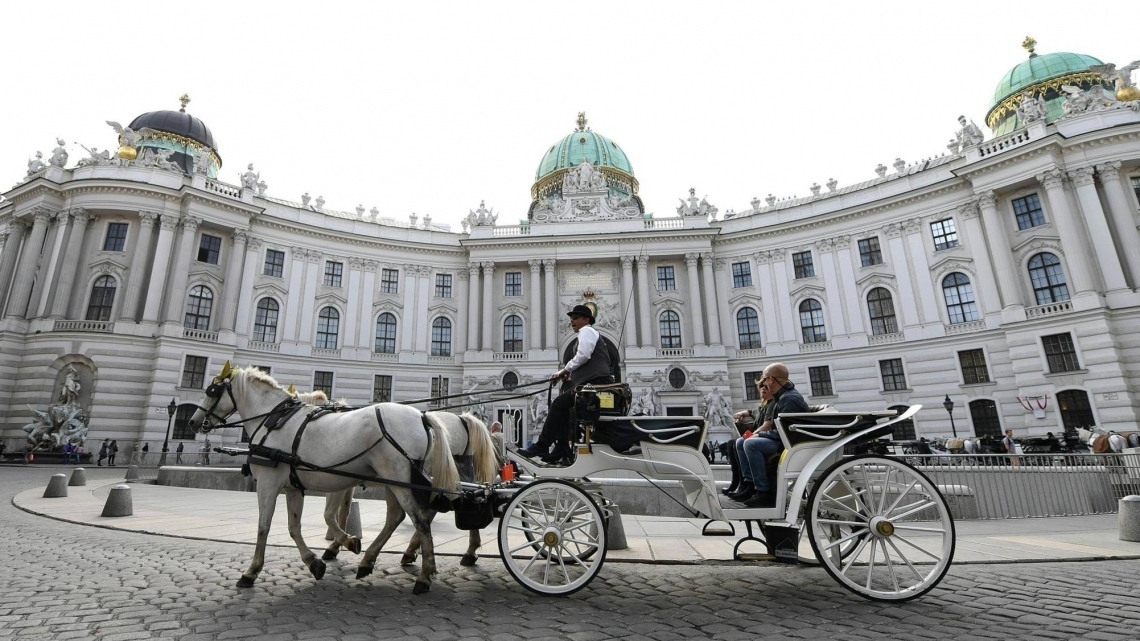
pixel 112 450
pixel 146 448
pixel 1011 447
pixel 104 450
pixel 178 453
pixel 67 453
pixel 206 452
pixel 498 439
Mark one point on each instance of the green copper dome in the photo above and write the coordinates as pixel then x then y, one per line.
pixel 1041 75
pixel 582 143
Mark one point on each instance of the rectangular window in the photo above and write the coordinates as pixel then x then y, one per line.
pixel 323 381
pixel 274 263
pixel 665 279
pixel 389 281
pixel 803 265
pixel 514 284
pixel 209 249
pixel 263 368
pixel 116 239
pixel 893 377
pixel 382 388
pixel 742 274
pixel 443 285
pixel 334 272
pixel 194 372
pixel 1060 353
pixel 750 391
pixel 820 378
pixel 945 234
pixel 1136 187
pixel 973 363
pixel 1028 211
pixel 869 252
pixel 439 387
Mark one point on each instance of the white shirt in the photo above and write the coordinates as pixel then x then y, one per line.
pixel 587 340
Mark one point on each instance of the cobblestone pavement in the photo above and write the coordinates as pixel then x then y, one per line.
pixel 66 581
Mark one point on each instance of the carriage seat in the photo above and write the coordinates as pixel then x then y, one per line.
pixel 828 424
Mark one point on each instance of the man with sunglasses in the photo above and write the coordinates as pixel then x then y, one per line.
pixel 765 441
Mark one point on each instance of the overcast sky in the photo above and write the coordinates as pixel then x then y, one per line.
pixel 431 107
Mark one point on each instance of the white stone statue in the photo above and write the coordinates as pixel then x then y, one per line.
pixel 717 412
pixel 881 170
pixel 412 217
pixel 771 200
pixel 305 198
pixel 969 135
pixel 71 386
pixel 129 137
pixel 262 187
pixel 374 213
pixel 36 164
pixel 1032 108
pixel 162 160
pixel 899 164
pixel 832 184
pixel 96 157
pixel 644 403
pixel 249 179
pixel 360 212
pixel 538 411
pixel 1121 78
pixel 953 146
pixel 59 154
pixel 815 189
pixel 320 202
pixel 201 162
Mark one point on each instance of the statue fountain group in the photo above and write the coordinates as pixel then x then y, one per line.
pixel 64 421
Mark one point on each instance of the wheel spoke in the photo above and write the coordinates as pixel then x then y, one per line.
pixel 855 495
pixel 845 539
pixel 871 566
pixel 934 530
pixel 890 566
pixel 901 496
pixel 844 506
pixel 838 522
pixel 886 484
pixel 910 565
pixel 913 510
pixel 854 555
pixel 916 547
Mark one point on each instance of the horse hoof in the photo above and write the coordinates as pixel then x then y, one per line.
pixel 408 559
pixel 468 560
pixel 363 571
pixel 421 587
pixel 245 582
pixel 317 567
pixel 329 555
pixel 354 545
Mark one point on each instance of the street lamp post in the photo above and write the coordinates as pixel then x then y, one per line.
pixel 170 410
pixel 949 405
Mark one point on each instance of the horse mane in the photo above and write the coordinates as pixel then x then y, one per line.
pixel 316 397
pixel 258 375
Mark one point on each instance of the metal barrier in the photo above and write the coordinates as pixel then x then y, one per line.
pixel 149 462
pixel 1003 486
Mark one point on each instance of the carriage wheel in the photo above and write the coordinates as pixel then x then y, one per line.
pixel 552 537
pixel 880 528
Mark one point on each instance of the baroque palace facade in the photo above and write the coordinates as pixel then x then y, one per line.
pixel 1003 275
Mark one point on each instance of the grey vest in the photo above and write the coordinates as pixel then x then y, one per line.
pixel 597 367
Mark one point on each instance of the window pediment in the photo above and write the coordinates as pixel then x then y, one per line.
pixel 109 266
pixel 331 299
pixel 1035 245
pixel 272 289
pixel 443 309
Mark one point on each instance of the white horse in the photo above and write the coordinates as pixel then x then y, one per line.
pixel 352 442
pixel 469 439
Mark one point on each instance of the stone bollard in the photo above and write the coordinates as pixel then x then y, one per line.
pixel 1130 518
pixel 57 487
pixel 352 527
pixel 78 477
pixel 132 473
pixel 119 502
pixel 615 531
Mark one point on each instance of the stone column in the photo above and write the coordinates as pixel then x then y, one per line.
pixel 909 307
pixel 627 299
pixel 721 284
pixel 772 310
pixel 176 303
pixel 1103 246
pixel 9 251
pixel 831 285
pixel 924 285
pixel 695 312
pixel 367 328
pixel 534 303
pixel 789 322
pixel 474 311
pixel 410 330
pixel 1123 220
pixel 1080 275
pixel 232 285
pixel 314 272
pixel 646 333
pixel 70 265
pixel 352 315
pixel 712 308
pixel 463 303
pixel 140 267
pixel 550 313
pixel 295 282
pixel 997 238
pixel 245 298
pixel 26 272
pixel 845 265
pixel 423 301
pixel 159 269
pixel 975 239
pixel 488 304
pixel 39 304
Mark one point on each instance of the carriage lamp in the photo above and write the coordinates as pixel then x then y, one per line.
pixel 170 410
pixel 949 405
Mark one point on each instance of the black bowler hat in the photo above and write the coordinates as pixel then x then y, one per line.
pixel 582 310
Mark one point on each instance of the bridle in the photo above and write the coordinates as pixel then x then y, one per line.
pixel 217 387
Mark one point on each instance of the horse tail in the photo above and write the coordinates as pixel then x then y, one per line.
pixel 482 450
pixel 443 471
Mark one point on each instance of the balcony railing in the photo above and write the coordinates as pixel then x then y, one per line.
pixel 441 360
pixel 1049 309
pixel 664 223
pixel 105 327
pixel 199 335
pixel 1004 143
pixel 264 347
pixel 509 356
pixel 966 328
pixel 383 357
pixel 675 352
pixel 822 346
pixel 512 230
pixel 222 188
pixel 756 352
pixel 883 339
pixel 326 353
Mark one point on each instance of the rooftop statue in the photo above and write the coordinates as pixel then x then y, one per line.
pixel 201 161
pixel 96 157
pixel 36 164
pixel 59 154
pixel 1126 90
pixel 249 179
pixel 482 217
pixel 969 135
pixel 1032 108
pixel 129 138
pixel 305 198
pixel 320 202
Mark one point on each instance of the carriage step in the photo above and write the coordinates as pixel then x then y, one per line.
pixel 755 556
pixel 718 531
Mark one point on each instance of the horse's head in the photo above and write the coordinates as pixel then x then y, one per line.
pixel 219 403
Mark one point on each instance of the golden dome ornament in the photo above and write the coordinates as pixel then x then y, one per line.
pixel 127 153
pixel 1128 94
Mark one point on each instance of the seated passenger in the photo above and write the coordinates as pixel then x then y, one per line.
pixel 746 422
pixel 765 441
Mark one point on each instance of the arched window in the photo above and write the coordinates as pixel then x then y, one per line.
pixel 385 334
pixel 513 334
pixel 670 325
pixel 748 328
pixel 1048 279
pixel 102 298
pixel 811 321
pixel 984 416
pixel 959 298
pixel 198 308
pixel 1075 409
pixel 510 380
pixel 265 322
pixel 441 337
pixel 881 308
pixel 903 430
pixel 328 328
